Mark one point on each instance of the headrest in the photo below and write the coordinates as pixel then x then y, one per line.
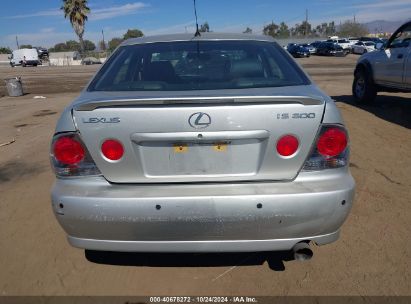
pixel 160 71
pixel 248 68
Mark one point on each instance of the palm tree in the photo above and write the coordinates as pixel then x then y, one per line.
pixel 76 11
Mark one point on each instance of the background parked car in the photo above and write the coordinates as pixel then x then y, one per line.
pixel 372 39
pixel 90 61
pixel 316 44
pixel 362 47
pixel 376 72
pixel 330 49
pixel 310 48
pixel 298 51
pixel 43 53
pixel 332 40
pixel 345 44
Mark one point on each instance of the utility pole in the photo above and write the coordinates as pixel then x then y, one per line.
pixel 17 42
pixel 306 22
pixel 104 43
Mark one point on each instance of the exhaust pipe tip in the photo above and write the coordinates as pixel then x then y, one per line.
pixel 302 252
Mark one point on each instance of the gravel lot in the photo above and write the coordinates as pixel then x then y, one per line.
pixel 372 256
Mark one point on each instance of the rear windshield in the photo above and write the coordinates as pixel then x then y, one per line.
pixel 198 65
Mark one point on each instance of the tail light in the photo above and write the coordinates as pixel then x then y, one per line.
pixel 112 149
pixel 331 149
pixel 332 142
pixel 68 151
pixel 69 156
pixel 287 145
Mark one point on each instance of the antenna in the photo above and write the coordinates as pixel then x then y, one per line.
pixel 195 13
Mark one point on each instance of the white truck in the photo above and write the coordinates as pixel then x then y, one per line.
pixel 24 57
pixel 344 43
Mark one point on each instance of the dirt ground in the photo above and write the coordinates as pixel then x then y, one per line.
pixel 372 256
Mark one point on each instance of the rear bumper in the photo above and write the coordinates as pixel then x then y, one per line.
pixel 199 246
pixel 28 62
pixel 262 216
pixel 32 62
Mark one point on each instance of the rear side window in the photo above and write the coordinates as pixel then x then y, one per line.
pixel 198 65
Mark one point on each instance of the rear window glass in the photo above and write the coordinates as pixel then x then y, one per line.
pixel 198 65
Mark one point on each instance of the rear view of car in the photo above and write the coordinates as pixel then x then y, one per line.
pixel 205 144
pixel 363 47
pixel 345 44
pixel 312 49
pixel 299 51
pixel 43 53
pixel 330 49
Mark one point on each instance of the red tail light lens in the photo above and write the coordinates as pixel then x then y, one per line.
pixel 112 149
pixel 287 145
pixel 70 158
pixel 332 142
pixel 68 151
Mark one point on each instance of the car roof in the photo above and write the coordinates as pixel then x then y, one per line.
pixel 202 37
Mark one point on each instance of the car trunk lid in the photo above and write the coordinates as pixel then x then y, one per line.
pixel 199 139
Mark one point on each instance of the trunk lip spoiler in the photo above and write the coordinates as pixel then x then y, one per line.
pixel 226 100
pixel 200 136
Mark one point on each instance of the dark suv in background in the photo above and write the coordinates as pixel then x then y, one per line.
pixel 330 49
pixel 43 52
pixel 298 51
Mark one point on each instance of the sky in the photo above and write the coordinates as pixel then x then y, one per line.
pixel 41 23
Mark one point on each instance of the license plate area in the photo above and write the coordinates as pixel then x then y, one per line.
pixel 221 146
pixel 200 158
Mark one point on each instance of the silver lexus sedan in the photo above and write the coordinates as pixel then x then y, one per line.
pixel 216 143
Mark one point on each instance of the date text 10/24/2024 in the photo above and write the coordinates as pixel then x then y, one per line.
pixel 204 299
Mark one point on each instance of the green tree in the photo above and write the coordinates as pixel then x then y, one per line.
pixel 113 43
pixel 303 29
pixel 352 29
pixel 26 46
pixel 271 29
pixel 76 11
pixel 248 31
pixel 283 31
pixel 59 47
pixel 72 45
pixel 133 33
pixel 89 45
pixel 205 27
pixel 5 50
